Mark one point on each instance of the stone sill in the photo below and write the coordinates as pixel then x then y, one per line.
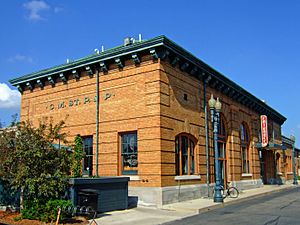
pixel 247 174
pixel 279 173
pixel 188 177
pixel 132 177
pixel 289 173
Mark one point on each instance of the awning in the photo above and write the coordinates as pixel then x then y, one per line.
pixel 271 146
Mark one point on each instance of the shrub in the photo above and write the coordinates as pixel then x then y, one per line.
pixel 46 212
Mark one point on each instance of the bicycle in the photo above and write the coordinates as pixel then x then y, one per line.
pixel 230 191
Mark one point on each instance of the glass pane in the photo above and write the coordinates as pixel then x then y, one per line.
pixel 184 145
pixel 184 152
pixel 242 132
pixel 184 165
pixel 192 158
pixel 129 153
pixel 88 159
pixel 177 155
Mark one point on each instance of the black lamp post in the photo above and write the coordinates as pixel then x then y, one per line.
pixel 215 108
pixel 295 182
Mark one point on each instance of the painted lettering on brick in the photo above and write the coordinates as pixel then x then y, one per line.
pixel 70 103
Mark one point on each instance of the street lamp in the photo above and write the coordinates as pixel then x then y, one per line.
pixel 295 182
pixel 215 108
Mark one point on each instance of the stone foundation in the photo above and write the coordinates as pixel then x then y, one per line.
pixel 159 196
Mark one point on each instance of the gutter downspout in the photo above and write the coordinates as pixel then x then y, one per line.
pixel 206 137
pixel 97 121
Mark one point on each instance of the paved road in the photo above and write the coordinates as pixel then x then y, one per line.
pixel 282 208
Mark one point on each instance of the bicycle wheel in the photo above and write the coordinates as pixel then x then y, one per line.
pixel 233 192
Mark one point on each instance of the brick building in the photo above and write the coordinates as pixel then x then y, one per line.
pixel 141 109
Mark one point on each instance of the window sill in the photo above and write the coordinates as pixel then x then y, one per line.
pixel 279 173
pixel 289 173
pixel 247 174
pixel 132 177
pixel 188 177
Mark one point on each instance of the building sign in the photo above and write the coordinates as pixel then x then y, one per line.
pixel 264 130
pixel 72 103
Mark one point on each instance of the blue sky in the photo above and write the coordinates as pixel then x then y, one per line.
pixel 254 43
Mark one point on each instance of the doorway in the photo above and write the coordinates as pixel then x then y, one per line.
pixel 268 167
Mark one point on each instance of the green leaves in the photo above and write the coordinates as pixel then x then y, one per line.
pixel 31 161
pixel 77 157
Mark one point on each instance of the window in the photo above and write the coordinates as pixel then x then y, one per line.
pixel 129 153
pixel 184 155
pixel 88 156
pixel 222 138
pixel 185 97
pixel 244 137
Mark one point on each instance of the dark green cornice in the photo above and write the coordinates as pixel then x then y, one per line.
pixel 158 47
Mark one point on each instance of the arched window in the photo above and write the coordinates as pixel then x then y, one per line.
pixel 244 137
pixel 184 155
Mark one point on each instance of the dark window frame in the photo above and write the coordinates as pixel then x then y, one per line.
pixel 128 159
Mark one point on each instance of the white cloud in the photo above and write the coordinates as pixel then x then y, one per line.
pixel 20 58
pixel 35 7
pixel 58 9
pixel 9 98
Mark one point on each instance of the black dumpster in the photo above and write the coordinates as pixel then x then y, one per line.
pixel 102 194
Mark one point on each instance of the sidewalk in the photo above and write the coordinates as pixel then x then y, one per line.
pixel 170 212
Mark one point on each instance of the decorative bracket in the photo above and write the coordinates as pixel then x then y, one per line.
pixel 89 71
pixel 40 83
pixel 165 54
pixel 119 63
pixel 220 87
pixel 184 66
pixel 214 84
pixel 135 58
pixel 175 61
pixel 208 79
pixel 75 74
pixel 226 90
pixel 20 89
pixel 29 85
pixel 153 53
pixel 63 77
pixel 194 71
pixel 103 66
pixel 51 81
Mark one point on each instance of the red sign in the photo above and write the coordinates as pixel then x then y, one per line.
pixel 264 130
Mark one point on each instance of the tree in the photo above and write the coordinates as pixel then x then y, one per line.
pixel 77 157
pixel 33 165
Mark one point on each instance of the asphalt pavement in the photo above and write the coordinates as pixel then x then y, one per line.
pixel 187 209
pixel 280 208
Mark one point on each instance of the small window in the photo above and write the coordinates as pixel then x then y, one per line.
pixel 129 153
pixel 184 155
pixel 185 97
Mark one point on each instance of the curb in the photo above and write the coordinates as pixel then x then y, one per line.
pixel 221 205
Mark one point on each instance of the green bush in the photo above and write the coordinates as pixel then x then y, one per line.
pixel 46 212
pixel 298 177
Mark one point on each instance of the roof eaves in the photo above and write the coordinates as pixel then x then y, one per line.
pixel 108 54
